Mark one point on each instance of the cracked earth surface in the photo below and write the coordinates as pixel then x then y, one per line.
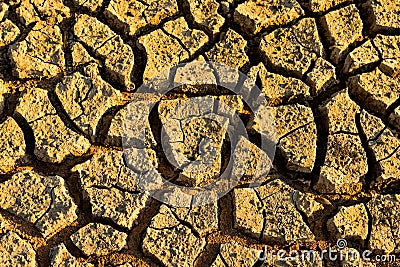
pixel 329 70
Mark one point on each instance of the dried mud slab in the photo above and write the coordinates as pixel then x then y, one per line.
pixel 196 77
pixel 99 239
pixel 375 90
pixel 54 142
pixel 40 55
pixel 92 5
pixel 229 51
pixel 269 213
pixel 115 172
pixel 170 45
pixel 361 57
pixel 345 165
pixel 12 148
pixel 41 200
pixel 346 162
pixel 133 16
pixel 121 207
pixel 170 241
pixel 385 223
pixel 135 127
pixel 251 161
pixel 383 49
pixel 350 222
pixel 297 141
pixel 384 15
pixel 194 138
pixel 395 118
pixel 53 12
pixel 233 254
pixel 16 251
pixel 389 49
pixel 385 146
pixel 257 15
pixel 344 28
pixel 203 219
pixel 3 10
pixel 206 13
pixel 8 32
pixel 80 56
pixel 27 13
pixel 86 100
pixel 118 57
pixel 323 5
pixel 60 257
pixel 321 77
pixel 308 204
pixel 4 92
pixel 277 88
pixel 293 49
pixel 111 188
pixel 341 111
pixel 296 134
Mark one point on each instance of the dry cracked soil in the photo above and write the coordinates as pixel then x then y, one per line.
pixel 330 74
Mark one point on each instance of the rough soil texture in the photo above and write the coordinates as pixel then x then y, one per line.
pixel 329 70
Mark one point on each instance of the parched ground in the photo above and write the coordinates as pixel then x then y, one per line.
pixel 329 69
